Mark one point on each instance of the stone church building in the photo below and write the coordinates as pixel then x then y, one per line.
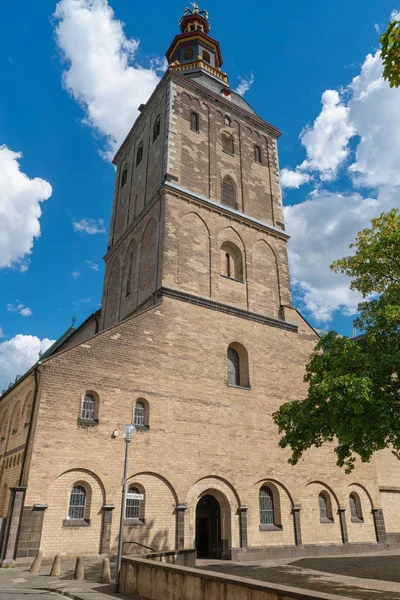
pixel 197 342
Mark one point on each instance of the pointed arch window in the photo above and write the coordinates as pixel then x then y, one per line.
pixel 124 177
pixel 257 154
pixel 229 192
pixel 194 121
pixel 77 503
pixel 156 128
pixel 228 143
pixel 139 154
pixel 266 499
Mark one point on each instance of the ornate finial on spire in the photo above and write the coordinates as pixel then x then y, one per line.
pixel 195 11
pixel 73 321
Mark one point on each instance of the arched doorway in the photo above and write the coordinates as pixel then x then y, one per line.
pixel 208 528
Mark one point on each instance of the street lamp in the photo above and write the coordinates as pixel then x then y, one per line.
pixel 127 431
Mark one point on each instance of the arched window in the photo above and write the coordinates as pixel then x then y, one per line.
pixel 194 122
pixel 229 192
pixel 257 154
pixel 231 261
pixel 139 416
pixel 266 498
pixel 90 408
pixel 156 128
pixel 15 419
pixel 132 507
pixel 206 57
pixel 189 53
pixel 228 143
pixel 129 274
pixel 233 367
pixel 77 503
pixel 124 177
pixel 139 154
pixel 325 507
pixel 355 508
pixel 227 120
pixel 238 365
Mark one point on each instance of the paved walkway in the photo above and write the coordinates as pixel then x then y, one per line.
pixel 18 583
pixel 364 577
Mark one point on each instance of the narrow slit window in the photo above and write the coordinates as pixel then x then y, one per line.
pixel 228 143
pixel 257 154
pixel 129 274
pixel 194 122
pixel 228 260
pixel 139 154
pixel 124 177
pixel 156 128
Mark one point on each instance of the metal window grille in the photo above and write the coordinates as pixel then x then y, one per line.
pixel 132 507
pixel 88 407
pixel 323 507
pixel 257 154
pixel 228 192
pixel 156 128
pixel 139 414
pixel 194 122
pixel 77 503
pixel 233 367
pixel 124 177
pixel 355 513
pixel 139 155
pixel 227 143
pixel 266 498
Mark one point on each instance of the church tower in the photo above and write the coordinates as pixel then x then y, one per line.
pixel 197 206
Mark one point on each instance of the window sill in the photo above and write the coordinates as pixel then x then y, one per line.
pixel 194 130
pixel 232 278
pixel 134 522
pixel 142 427
pixel 327 521
pixel 271 528
pixel 227 152
pixel 73 523
pixel 88 422
pixel 356 520
pixel 239 387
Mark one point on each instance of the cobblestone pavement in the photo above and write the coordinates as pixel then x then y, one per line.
pixel 363 577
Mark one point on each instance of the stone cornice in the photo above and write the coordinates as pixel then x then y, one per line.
pixel 233 214
pixel 225 308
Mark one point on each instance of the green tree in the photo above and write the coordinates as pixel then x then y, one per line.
pixel 390 50
pixel 354 385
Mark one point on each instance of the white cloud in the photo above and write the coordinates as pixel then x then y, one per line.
pixel 326 142
pixel 244 85
pixel 1 333
pixel 374 110
pixel 19 354
pixel 294 179
pixel 20 211
pixel 90 226
pixel 102 74
pixel 76 274
pixel 92 265
pixel 20 308
pixel 395 16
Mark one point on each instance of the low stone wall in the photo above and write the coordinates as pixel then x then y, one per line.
pixel 183 558
pixel 157 581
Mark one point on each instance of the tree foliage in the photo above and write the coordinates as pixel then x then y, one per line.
pixel 390 51
pixel 354 385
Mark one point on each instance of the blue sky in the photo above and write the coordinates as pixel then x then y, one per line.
pixel 344 167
